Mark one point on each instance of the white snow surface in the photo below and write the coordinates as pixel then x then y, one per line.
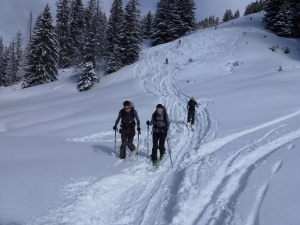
pixel 57 159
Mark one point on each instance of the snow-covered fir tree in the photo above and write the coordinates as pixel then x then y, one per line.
pixel 28 30
pixel 94 47
pixel 99 27
pixel 11 68
pixel 296 22
pixel 88 77
pixel 272 8
pixel 166 24
pixel 186 10
pixel 236 14
pixel 77 34
pixel 43 52
pixel 63 32
pixel 227 15
pixel 113 37
pixel 19 52
pixel 146 24
pixel 1 60
pixel 283 17
pixel 254 7
pixel 131 42
pixel 283 24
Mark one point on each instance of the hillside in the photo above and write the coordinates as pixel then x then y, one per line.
pixel 239 166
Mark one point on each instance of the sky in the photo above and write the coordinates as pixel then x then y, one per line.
pixel 14 14
pixel 240 165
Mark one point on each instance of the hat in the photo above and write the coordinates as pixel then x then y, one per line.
pixel 126 103
pixel 159 106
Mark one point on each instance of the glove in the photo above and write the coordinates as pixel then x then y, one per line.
pixel 139 130
pixel 166 130
pixel 115 127
pixel 148 122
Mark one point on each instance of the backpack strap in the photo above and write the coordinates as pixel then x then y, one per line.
pixel 123 114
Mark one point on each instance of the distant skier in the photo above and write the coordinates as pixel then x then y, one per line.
pixel 191 111
pixel 167 61
pixel 179 42
pixel 161 124
pixel 127 116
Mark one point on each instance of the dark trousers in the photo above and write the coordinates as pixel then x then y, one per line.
pixel 158 142
pixel 127 139
pixel 191 117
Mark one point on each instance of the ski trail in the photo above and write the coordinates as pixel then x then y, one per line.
pixel 253 218
pixel 199 179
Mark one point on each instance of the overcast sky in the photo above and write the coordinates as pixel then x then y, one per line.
pixel 14 14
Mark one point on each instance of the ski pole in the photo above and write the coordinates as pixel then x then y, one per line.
pixel 170 152
pixel 115 140
pixel 137 148
pixel 148 140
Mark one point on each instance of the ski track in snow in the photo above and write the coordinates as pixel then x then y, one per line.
pixel 199 189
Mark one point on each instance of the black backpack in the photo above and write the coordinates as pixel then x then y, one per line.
pixel 164 114
pixel 192 105
pixel 132 115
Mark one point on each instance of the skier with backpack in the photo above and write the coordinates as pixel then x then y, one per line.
pixel 127 115
pixel 191 111
pixel 161 124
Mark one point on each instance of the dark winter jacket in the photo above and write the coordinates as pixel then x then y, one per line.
pixel 161 123
pixel 128 118
pixel 191 105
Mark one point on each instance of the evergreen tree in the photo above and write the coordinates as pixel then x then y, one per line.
pixel 19 52
pixel 43 52
pixel 272 8
pixel 1 61
pixel 114 36
pixel 132 40
pixel 296 19
pixel 4 66
pixel 77 34
pixel 28 32
pixel 227 15
pixel 283 24
pixel 147 25
pixel 11 68
pixel 63 32
pixel 100 27
pixel 166 24
pixel 186 10
pixel 87 78
pixel 236 14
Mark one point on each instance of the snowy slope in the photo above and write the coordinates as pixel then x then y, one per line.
pixel 238 167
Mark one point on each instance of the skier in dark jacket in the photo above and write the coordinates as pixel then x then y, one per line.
pixel 191 110
pixel 161 124
pixel 127 116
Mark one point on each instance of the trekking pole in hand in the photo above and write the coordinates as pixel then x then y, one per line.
pixel 137 148
pixel 115 139
pixel 170 152
pixel 148 140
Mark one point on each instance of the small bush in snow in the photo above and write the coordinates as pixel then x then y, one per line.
pixel 190 60
pixel 280 69
pixel 188 81
pixel 273 48
pixel 287 50
pixel 236 63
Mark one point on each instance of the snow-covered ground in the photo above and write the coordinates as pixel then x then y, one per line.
pixel 239 166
